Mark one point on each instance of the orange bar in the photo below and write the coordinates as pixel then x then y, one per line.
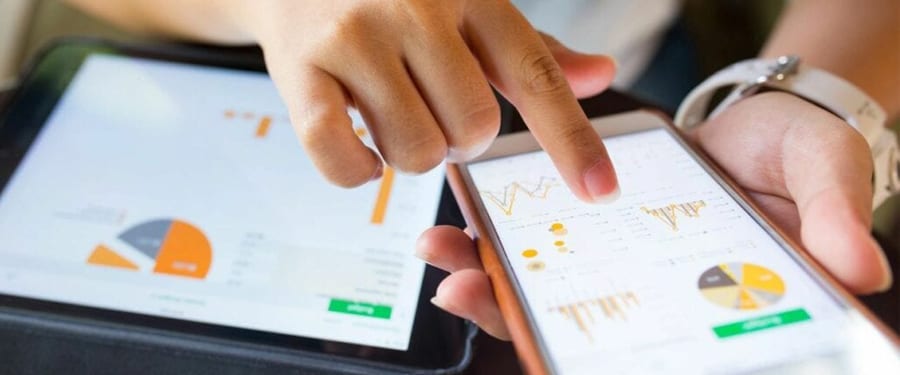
pixel 587 310
pixel 384 194
pixel 263 127
pixel 580 322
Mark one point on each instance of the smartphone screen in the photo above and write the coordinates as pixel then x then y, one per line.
pixel 673 276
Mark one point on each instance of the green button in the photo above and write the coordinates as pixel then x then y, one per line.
pixel 359 308
pixel 761 323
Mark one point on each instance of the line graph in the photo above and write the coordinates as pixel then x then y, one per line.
pixel 668 215
pixel 506 200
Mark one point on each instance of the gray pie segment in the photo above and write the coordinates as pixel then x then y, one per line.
pixel 737 271
pixel 147 237
pixel 714 277
pixel 769 298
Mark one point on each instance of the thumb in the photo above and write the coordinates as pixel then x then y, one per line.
pixel 833 192
pixel 815 173
pixel 842 242
pixel 587 74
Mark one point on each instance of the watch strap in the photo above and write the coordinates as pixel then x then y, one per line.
pixel 825 89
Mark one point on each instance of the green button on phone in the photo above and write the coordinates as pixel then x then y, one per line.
pixel 359 308
pixel 761 323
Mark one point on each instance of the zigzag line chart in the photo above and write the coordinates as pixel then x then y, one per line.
pixel 506 200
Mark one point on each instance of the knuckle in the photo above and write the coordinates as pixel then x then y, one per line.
pixel 485 5
pixel 344 179
pixel 576 134
pixel 541 74
pixel 477 129
pixel 483 122
pixel 349 25
pixel 484 116
pixel 315 128
pixel 355 32
pixel 316 134
pixel 420 13
pixel 432 22
pixel 418 155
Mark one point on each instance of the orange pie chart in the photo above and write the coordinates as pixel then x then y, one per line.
pixel 179 248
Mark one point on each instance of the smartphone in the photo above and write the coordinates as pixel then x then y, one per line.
pixel 680 274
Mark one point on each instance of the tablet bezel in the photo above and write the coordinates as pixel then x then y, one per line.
pixel 438 340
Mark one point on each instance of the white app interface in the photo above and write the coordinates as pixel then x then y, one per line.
pixel 181 191
pixel 673 276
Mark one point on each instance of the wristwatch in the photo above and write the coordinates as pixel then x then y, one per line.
pixel 824 89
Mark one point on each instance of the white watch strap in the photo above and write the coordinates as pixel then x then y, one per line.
pixel 825 89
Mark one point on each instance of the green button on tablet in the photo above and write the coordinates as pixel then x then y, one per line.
pixel 359 308
pixel 761 323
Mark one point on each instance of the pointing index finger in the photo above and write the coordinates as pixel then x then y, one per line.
pixel 518 63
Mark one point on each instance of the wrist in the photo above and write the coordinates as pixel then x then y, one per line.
pixel 825 90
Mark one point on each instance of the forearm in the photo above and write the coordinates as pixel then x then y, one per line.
pixel 859 41
pixel 220 21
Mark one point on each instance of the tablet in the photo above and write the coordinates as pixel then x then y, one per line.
pixel 169 190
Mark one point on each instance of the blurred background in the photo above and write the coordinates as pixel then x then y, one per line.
pixel 704 37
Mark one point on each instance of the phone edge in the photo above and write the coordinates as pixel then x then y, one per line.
pixel 523 338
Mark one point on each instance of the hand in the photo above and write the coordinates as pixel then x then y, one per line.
pixel 805 168
pixel 420 74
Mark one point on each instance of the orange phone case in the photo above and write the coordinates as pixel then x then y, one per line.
pixel 511 308
pixel 513 311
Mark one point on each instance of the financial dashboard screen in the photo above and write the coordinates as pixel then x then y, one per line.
pixel 181 191
pixel 672 277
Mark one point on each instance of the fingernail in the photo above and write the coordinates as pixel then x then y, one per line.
pixel 609 198
pixel 886 269
pixel 437 302
pixel 455 155
pixel 421 254
pixel 379 171
pixel 600 182
pixel 615 62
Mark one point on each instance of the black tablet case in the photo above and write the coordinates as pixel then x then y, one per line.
pixel 34 343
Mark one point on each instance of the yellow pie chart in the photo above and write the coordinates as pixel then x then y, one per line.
pixel 741 286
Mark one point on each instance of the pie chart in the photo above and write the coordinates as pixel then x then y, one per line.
pixel 741 286
pixel 178 248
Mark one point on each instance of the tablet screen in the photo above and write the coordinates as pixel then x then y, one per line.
pixel 181 191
